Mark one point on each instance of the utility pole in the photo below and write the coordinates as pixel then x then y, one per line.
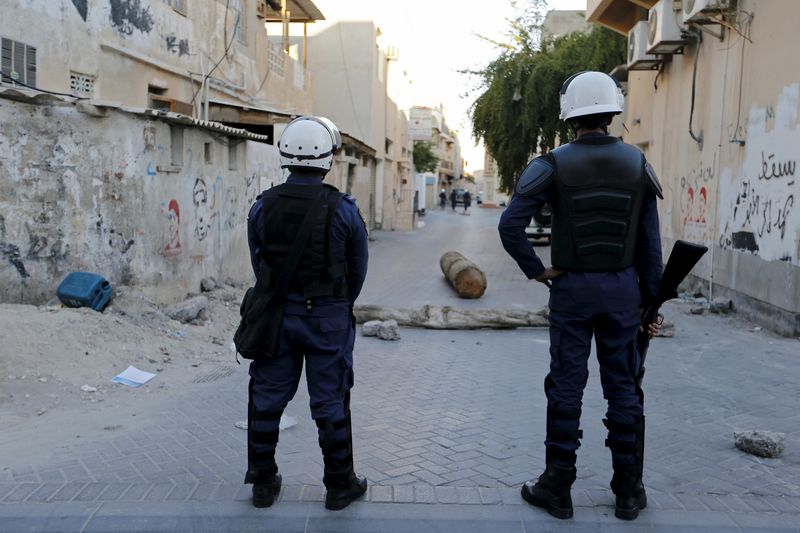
pixel 285 16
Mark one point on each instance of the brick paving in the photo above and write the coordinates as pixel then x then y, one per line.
pixel 457 417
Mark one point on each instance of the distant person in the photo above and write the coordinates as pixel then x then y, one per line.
pixel 442 200
pixel 601 279
pixel 453 199
pixel 467 201
pixel 317 326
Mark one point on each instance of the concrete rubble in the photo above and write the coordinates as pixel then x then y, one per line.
pixel 767 444
pixel 208 284
pixel 721 306
pixel 387 330
pixel 188 311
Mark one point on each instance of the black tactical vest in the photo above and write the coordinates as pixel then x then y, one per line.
pixel 600 184
pixel 283 209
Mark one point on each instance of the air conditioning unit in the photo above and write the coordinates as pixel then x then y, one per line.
pixel 702 11
pixel 262 9
pixel 638 58
pixel 664 36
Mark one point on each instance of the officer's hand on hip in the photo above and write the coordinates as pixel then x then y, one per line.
pixel 655 327
pixel 548 274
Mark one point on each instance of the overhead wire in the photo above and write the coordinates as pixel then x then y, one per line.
pixel 699 40
pixel 225 54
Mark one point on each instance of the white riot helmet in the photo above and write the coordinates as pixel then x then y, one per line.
pixel 309 142
pixel 591 93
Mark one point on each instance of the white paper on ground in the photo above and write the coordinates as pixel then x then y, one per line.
pixel 285 423
pixel 133 377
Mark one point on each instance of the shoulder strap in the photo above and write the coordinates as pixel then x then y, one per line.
pixel 293 256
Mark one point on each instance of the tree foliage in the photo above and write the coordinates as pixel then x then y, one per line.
pixel 424 158
pixel 517 111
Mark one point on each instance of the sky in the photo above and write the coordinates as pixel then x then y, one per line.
pixel 436 39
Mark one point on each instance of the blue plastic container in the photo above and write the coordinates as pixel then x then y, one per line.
pixel 85 289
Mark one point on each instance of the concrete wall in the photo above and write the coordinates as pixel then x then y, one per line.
pixel 107 195
pixel 739 190
pixel 347 89
pixel 129 45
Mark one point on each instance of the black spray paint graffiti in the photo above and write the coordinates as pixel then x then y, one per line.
pixel 129 15
pixel 776 169
pixel 202 212
pixel 82 7
pixel 180 47
pixel 10 252
pixel 763 214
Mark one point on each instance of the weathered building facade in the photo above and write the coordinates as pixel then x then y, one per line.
pixel 146 198
pixel 172 55
pixel 719 122
pixel 350 88
pixel 430 125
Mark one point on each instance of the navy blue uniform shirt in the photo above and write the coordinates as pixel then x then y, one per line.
pixel 587 291
pixel 348 243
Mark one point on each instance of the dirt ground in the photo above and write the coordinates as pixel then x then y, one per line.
pixel 49 353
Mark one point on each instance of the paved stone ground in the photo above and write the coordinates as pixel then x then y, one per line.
pixel 446 423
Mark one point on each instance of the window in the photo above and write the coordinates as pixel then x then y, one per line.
pixel 81 84
pixel 233 154
pixel 237 12
pixel 17 63
pixel 177 5
pixel 176 145
pixel 276 59
pixel 207 153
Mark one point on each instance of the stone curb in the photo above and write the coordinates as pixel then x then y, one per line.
pixel 45 493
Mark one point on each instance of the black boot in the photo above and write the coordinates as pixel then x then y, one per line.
pixel 629 490
pixel 627 482
pixel 336 442
pixel 262 437
pixel 340 495
pixel 264 494
pixel 552 490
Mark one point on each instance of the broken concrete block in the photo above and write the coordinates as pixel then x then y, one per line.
pixel 208 284
pixel 762 443
pixel 721 306
pixel 370 329
pixel 697 310
pixel 389 331
pixel 667 329
pixel 187 311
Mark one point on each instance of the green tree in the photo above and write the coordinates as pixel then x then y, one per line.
pixel 424 158
pixel 518 106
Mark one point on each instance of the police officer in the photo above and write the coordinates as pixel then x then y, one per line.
pixel 606 256
pixel 318 325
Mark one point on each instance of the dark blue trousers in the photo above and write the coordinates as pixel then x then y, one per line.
pixel 570 345
pixel 325 344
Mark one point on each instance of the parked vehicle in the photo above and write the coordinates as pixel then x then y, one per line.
pixel 539 228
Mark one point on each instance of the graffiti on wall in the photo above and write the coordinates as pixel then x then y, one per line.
pixel 757 208
pixel 82 7
pixel 10 252
pixel 173 235
pixel 695 191
pixel 129 15
pixel 177 46
pixel 202 210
